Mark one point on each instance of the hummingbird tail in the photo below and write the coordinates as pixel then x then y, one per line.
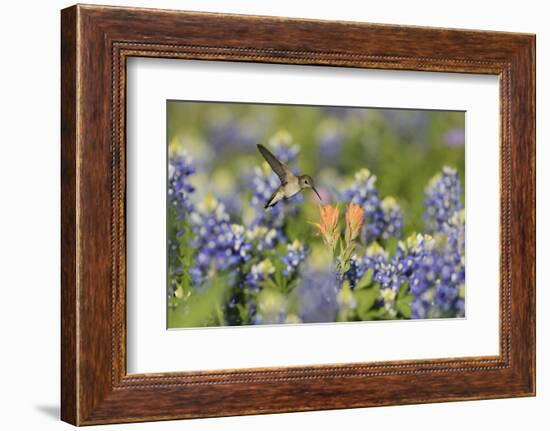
pixel 272 201
pixel 268 207
pixel 270 204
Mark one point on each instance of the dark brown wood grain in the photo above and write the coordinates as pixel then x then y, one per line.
pixel 95 42
pixel 68 217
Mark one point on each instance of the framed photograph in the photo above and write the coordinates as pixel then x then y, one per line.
pixel 322 214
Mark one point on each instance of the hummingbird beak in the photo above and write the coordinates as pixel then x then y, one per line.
pixel 317 193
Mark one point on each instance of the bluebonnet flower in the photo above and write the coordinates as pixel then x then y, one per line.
pixel 296 254
pixel 454 137
pixel 459 303
pixel 453 266
pixel 374 258
pixel 407 123
pixel 262 237
pixel 420 308
pixel 330 141
pixel 445 296
pixel 442 199
pixel 356 270
pixel 318 297
pixel 409 251
pixel 382 219
pixel 232 203
pixel 432 265
pixel 231 135
pixel 219 245
pixel 179 187
pixel 436 286
pixel 448 260
pixel 438 274
pixel 174 245
pixel 283 146
pixel 423 282
pixel 388 276
pixel 240 246
pixel 393 219
pixel 413 259
pixel 363 192
pixel 180 168
pixel 456 232
pixel 259 273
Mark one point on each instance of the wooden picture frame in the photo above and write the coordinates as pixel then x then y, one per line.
pixel 96 41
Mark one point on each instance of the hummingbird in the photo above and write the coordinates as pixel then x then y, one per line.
pixel 290 183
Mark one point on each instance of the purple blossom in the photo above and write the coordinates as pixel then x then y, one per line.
pixel 258 273
pixel 442 199
pixel 330 144
pixel 318 297
pixel 180 168
pixel 296 254
pixel 252 287
pixel 357 269
pixel 219 245
pixel 407 123
pixel 454 137
pixel 393 219
pixel 382 219
pixel 363 192
pixel 438 272
pixel 283 147
pixel 374 258
pixel 231 135
pixel 179 187
pixel 262 238
pixel 232 202
pixel 433 268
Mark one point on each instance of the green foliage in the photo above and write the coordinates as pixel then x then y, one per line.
pixel 366 298
pixel 201 308
pixel 365 280
pixel 185 259
pixel 403 302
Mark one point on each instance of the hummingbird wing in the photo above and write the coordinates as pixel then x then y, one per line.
pixel 278 167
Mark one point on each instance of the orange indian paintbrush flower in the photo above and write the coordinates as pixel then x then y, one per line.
pixel 354 221
pixel 328 228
